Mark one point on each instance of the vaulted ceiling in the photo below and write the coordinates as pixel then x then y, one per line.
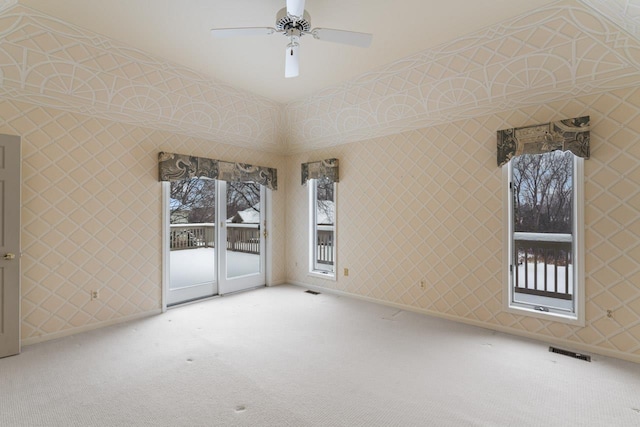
pixel 179 32
pixel 153 63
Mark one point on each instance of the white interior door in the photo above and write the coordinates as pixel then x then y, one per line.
pixel 9 245
pixel 242 233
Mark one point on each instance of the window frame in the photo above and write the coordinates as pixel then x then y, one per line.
pixel 577 317
pixel 313 247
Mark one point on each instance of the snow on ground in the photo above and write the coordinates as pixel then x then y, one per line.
pixel 194 266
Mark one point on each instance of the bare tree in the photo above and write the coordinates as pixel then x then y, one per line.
pixel 325 198
pixel 242 196
pixel 192 201
pixel 543 190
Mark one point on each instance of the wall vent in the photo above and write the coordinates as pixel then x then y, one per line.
pixel 312 292
pixel 570 354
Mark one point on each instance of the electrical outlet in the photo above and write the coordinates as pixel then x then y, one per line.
pixel 95 295
pixel 346 271
pixel 423 284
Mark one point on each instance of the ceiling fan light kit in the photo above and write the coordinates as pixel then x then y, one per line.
pixel 294 22
pixel 292 61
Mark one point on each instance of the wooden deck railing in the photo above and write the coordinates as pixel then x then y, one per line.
pixel 243 238
pixel 192 236
pixel 325 244
pixel 240 237
pixel 544 265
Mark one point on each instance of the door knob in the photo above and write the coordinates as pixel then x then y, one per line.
pixel 9 256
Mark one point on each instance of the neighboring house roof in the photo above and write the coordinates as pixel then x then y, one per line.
pixel 247 216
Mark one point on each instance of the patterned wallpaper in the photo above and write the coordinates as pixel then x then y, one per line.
pixel 624 13
pixel 51 63
pixel 91 215
pixel 419 196
pixel 426 205
pixel 5 4
pixel 558 52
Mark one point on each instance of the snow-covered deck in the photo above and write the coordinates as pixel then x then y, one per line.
pixel 194 266
pixel 536 280
pixel 546 274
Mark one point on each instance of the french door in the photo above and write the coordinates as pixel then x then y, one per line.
pixel 215 238
pixel 241 263
pixel 192 240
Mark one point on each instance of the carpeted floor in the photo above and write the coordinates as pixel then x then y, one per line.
pixel 282 357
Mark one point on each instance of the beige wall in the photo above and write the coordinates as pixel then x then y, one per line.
pixel 427 204
pixel 421 204
pixel 91 216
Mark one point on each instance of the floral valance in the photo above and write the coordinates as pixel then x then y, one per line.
pixel 566 135
pixel 323 169
pixel 175 167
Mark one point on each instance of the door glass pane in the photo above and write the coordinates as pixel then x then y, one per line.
pixel 243 229
pixel 192 233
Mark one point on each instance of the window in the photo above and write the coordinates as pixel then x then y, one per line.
pixel 544 248
pixel 322 227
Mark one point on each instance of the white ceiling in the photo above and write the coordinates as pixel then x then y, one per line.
pixel 179 31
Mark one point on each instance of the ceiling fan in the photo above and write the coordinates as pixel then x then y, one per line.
pixel 294 22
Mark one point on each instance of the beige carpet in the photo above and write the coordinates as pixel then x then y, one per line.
pixel 282 357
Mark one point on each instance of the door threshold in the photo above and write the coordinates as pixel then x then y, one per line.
pixel 192 301
pixel 244 290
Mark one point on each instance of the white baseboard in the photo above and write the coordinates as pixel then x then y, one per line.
pixel 277 283
pixel 569 345
pixel 80 329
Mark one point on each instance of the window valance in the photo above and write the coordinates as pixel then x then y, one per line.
pixel 323 169
pixel 175 167
pixel 566 135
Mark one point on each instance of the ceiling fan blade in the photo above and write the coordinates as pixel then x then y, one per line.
pixel 223 33
pixel 340 36
pixel 295 8
pixel 292 61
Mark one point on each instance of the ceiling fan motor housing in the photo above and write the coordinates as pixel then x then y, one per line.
pixel 284 22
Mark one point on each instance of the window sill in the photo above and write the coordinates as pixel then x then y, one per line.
pixel 322 275
pixel 550 316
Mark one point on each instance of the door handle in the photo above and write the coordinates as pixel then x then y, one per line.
pixel 9 256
